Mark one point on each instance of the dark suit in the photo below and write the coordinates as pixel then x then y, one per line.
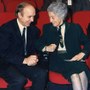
pixel 12 52
pixel 74 38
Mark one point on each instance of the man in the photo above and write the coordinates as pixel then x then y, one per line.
pixel 17 50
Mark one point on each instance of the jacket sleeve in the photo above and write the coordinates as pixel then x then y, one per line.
pixel 41 42
pixel 5 49
pixel 84 41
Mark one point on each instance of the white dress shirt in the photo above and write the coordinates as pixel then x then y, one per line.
pixel 63 37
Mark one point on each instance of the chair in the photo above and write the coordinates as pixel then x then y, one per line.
pixel 1 7
pixel 31 1
pixel 42 19
pixel 83 18
pixel 9 1
pixel 4 84
pixel 11 6
pixel 39 3
pixel 5 17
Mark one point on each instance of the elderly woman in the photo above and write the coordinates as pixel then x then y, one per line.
pixel 63 41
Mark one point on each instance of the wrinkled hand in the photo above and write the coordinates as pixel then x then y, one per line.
pixel 51 48
pixel 78 57
pixel 31 60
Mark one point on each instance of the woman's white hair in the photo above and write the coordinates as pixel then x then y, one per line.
pixel 58 8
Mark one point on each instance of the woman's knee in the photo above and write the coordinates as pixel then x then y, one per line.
pixel 74 77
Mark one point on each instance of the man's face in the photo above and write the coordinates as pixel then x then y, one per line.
pixel 54 19
pixel 27 15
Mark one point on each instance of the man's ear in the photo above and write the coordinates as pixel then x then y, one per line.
pixel 19 15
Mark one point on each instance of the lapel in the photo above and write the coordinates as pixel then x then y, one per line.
pixel 16 30
pixel 54 34
pixel 67 27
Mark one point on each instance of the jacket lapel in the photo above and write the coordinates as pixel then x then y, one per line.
pixel 16 29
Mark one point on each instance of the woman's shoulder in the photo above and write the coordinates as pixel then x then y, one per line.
pixel 73 25
pixel 48 25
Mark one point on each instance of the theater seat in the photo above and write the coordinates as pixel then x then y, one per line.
pixel 57 78
pixel 5 17
pixel 32 2
pixel 83 19
pixel 1 7
pixel 39 3
pixel 43 18
pixel 4 84
pixel 11 6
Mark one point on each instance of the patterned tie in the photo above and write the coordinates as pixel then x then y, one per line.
pixel 24 41
pixel 60 36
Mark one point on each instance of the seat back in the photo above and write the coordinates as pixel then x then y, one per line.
pixel 4 84
pixel 57 78
pixel 39 3
pixel 83 19
pixel 43 18
pixel 1 7
pixel 5 17
pixel 31 1
pixel 11 6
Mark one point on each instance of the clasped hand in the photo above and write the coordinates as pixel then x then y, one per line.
pixel 31 60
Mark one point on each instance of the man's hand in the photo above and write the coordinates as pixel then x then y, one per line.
pixel 31 60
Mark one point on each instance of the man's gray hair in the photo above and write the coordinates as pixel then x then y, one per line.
pixel 58 8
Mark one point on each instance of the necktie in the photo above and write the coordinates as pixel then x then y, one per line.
pixel 24 41
pixel 60 36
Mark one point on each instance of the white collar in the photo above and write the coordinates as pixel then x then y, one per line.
pixel 20 26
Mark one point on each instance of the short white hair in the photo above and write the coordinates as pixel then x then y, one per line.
pixel 59 9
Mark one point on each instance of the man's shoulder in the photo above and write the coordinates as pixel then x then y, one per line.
pixel 72 25
pixel 33 27
pixel 9 23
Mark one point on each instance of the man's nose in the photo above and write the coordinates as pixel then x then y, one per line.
pixel 32 19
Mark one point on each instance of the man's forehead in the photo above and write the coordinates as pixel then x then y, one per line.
pixel 29 7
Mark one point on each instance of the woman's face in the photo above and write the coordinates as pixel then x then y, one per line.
pixel 54 19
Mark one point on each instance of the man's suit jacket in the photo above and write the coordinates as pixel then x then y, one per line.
pixel 11 43
pixel 74 38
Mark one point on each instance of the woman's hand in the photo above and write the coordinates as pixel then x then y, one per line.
pixel 50 48
pixel 78 57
